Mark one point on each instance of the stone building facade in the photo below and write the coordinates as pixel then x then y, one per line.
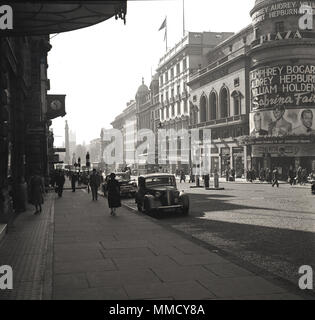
pixel 220 99
pixel 282 84
pixel 256 93
pixel 24 127
pixel 175 69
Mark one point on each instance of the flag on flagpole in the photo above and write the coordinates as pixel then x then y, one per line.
pixel 163 25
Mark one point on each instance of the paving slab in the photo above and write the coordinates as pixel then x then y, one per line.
pixel 241 286
pixel 84 266
pixel 186 290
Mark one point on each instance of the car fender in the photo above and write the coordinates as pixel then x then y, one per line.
pixel 184 200
pixel 150 200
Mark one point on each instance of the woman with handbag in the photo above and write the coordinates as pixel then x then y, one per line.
pixel 113 194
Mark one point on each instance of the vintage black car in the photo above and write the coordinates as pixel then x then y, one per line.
pixel 158 193
pixel 128 187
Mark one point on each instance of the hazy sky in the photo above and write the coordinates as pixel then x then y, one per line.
pixel 100 68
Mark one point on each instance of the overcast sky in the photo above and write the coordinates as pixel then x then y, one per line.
pixel 100 68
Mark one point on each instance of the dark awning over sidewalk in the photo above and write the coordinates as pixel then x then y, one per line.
pixel 60 16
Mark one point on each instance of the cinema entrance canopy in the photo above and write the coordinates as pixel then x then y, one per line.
pixel 39 18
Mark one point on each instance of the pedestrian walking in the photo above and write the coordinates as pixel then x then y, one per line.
pixel 73 181
pixel 95 182
pixel 113 194
pixel 299 175
pixel 227 174
pixel 60 181
pixel 191 176
pixel 232 175
pixel 275 174
pixel 182 177
pixel 291 176
pixel 36 191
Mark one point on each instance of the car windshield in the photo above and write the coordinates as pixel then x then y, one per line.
pixel 122 176
pixel 160 181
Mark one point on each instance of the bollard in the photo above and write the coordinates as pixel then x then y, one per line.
pixel 216 180
pixel 197 181
pixel 207 181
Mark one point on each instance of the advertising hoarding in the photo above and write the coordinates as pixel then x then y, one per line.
pixel 281 122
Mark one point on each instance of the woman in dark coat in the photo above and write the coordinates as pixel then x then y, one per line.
pixel 113 194
pixel 37 189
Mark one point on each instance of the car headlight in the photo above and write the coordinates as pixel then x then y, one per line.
pixel 157 194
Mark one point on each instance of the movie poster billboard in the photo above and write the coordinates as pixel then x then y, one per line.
pixel 282 100
pixel 289 85
pixel 280 121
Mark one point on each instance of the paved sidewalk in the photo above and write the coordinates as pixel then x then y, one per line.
pixel 27 249
pixel 130 256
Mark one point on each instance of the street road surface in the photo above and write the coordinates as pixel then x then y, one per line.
pixel 272 228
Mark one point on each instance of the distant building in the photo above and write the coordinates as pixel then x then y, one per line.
pixel 174 71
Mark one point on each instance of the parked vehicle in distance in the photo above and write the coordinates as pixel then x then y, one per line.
pixel 128 187
pixel 158 192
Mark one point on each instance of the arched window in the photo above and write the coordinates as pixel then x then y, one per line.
pixel 224 103
pixel 203 109
pixel 237 98
pixel 213 105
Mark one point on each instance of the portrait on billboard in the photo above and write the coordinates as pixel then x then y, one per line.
pixel 281 122
pixel 279 126
pixel 307 117
pixel 258 131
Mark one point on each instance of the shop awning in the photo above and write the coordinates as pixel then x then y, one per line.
pixel 44 17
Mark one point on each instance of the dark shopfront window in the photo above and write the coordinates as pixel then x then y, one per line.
pixel 238 162
pixel 225 160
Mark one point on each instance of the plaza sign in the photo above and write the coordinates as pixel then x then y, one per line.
pixel 280 36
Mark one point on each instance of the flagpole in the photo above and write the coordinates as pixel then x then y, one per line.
pixel 183 18
pixel 166 33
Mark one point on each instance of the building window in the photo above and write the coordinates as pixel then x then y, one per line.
pixel 166 76
pixel 224 103
pixel 162 98
pixel 172 93
pixel 167 95
pixel 173 110
pixel 237 104
pixel 178 90
pixel 178 108
pixel 203 109
pixel 256 33
pixel 162 114
pixel 279 26
pixel 185 64
pixel 177 69
pixel 236 82
pixel 213 105
pixel 231 47
pixel 161 80
pixel 185 106
pixel 167 112
pixel 172 73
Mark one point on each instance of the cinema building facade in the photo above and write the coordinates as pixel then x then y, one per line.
pixel 257 93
